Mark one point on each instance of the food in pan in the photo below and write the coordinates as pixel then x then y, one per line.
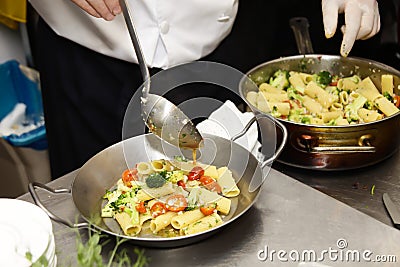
pixel 325 99
pixel 170 198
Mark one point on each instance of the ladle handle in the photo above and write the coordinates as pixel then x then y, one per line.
pixel 300 26
pixel 32 190
pixel 136 45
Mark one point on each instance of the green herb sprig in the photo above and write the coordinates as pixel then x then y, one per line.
pixel 89 253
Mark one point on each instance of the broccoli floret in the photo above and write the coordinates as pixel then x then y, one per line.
pixel 355 79
pixel 164 174
pixel 306 119
pixel 109 194
pixel 294 115
pixel 369 105
pixel 332 122
pixel 324 78
pixel 155 180
pixel 112 195
pixel 388 96
pixel 275 112
pixel 107 211
pixel 351 109
pixel 293 95
pixel 119 201
pixel 280 79
pixel 175 176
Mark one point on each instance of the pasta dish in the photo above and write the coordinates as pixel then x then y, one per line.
pixel 170 198
pixel 325 99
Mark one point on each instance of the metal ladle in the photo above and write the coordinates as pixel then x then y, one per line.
pixel 162 117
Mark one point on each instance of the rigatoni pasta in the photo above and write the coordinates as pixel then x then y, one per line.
pixel 228 184
pixel 127 224
pixel 161 221
pixel 312 105
pixel 369 115
pixel 387 84
pixel 316 92
pixel 162 199
pixel 368 89
pixel 387 107
pixel 267 88
pixel 144 168
pixel 348 83
pixel 202 225
pixel 182 220
pixel 297 81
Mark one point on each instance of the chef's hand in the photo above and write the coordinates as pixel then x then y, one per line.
pixel 106 9
pixel 362 20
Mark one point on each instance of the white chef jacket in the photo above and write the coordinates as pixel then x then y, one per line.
pixel 171 32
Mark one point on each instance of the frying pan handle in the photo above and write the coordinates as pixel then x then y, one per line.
pixel 300 26
pixel 346 149
pixel 310 144
pixel 245 129
pixel 281 146
pixel 32 190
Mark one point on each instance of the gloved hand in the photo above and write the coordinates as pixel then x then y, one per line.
pixel 362 20
pixel 106 9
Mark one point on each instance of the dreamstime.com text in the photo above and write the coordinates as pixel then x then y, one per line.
pixel 340 253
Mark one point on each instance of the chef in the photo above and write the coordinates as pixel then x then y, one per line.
pixel 89 71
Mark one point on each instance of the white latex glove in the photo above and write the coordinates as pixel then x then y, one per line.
pixel 106 9
pixel 362 20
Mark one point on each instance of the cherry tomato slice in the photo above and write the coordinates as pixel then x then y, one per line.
pixel 214 187
pixel 397 98
pixel 289 102
pixel 206 180
pixel 157 209
pixel 181 183
pixel 195 173
pixel 333 83
pixel 128 176
pixel 208 209
pixel 297 102
pixel 140 207
pixel 176 203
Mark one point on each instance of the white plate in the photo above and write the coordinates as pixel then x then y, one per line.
pixel 24 228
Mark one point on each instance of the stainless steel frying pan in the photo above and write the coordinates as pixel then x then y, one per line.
pixel 327 148
pixel 103 170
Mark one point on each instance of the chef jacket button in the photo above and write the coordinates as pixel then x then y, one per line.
pixel 224 18
pixel 164 27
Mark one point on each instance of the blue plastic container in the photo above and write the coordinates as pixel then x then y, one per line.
pixel 15 88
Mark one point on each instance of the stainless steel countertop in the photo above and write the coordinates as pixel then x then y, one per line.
pixel 354 187
pixel 289 215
